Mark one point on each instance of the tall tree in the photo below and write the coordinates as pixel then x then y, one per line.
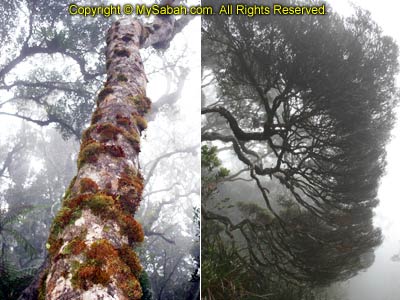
pixel 91 239
pixel 45 86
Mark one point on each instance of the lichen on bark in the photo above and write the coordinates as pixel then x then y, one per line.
pixel 92 238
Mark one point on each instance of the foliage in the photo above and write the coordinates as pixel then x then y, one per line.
pixel 146 286
pixel 12 279
pixel 306 105
pixel 228 271
pixel 45 95
pixel 7 219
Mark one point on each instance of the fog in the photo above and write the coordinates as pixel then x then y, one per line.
pixel 38 158
pixel 337 240
pixel 382 279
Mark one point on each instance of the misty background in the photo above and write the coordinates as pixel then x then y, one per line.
pixel 231 196
pixel 51 69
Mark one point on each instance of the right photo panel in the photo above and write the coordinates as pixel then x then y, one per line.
pixel 300 136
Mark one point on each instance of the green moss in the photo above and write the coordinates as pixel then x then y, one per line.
pixel 146 286
pixel 141 122
pixel 107 228
pixel 86 136
pixel 62 219
pixel 141 103
pixel 89 154
pixel 122 77
pixel 100 204
pixel 67 193
pixel 42 285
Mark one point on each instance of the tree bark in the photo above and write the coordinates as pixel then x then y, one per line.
pixel 91 239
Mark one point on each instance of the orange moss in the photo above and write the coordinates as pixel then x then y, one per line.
pixel 138 184
pixel 131 259
pixel 131 228
pixel 97 115
pixel 63 217
pixel 101 251
pixel 131 188
pixel 124 121
pixel 131 287
pixel 87 185
pixel 77 246
pixel 125 181
pixel 87 275
pixel 143 106
pixel 76 202
pixel 104 262
pixel 115 151
pixel 130 201
pixel 108 131
pixel 55 245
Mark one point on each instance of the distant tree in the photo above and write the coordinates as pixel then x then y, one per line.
pixel 49 95
pixel 305 103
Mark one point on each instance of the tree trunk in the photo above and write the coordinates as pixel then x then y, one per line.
pixel 91 239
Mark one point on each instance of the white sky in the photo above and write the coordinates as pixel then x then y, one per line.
pixel 382 280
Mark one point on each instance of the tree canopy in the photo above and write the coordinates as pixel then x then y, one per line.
pixel 306 105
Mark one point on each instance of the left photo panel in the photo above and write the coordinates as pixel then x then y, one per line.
pixel 99 151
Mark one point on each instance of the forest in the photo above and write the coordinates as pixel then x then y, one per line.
pixel 123 150
pixel 52 69
pixel 296 115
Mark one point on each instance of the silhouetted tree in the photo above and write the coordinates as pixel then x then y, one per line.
pixel 306 103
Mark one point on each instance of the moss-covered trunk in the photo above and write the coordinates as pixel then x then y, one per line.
pixel 92 237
